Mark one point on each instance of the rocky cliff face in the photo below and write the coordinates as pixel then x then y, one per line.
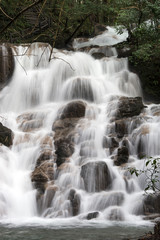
pixel 6 64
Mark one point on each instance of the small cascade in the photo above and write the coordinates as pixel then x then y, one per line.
pixel 78 124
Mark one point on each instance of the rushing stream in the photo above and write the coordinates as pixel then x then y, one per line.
pixel 88 190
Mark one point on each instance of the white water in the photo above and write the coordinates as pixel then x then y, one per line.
pixel 107 38
pixel 40 87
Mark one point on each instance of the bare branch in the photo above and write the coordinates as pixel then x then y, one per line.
pixel 63 61
pixel 5 13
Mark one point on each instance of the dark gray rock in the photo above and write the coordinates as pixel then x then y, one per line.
pixel 75 202
pixel 92 215
pixel 122 156
pixel 6 136
pixel 98 55
pixel 121 128
pixel 74 109
pixel 64 128
pixel 6 64
pixel 45 154
pixel 129 107
pixel 99 29
pixel 96 176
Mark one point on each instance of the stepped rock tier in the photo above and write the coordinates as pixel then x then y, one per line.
pixel 78 122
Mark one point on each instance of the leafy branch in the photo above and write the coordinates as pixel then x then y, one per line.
pixel 151 172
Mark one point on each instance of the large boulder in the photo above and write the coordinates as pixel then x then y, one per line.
pixel 79 88
pixel 129 107
pixel 122 156
pixel 74 109
pixel 6 136
pixel 6 64
pixel 30 121
pixel 96 176
pixel 64 129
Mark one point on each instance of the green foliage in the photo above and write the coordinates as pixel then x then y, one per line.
pixel 151 172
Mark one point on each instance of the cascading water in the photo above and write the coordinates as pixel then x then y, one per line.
pixel 88 185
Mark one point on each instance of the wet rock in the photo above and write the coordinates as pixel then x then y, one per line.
pixel 98 55
pixel 122 156
pixel 153 216
pixel 108 199
pixel 49 195
pixel 26 117
pixel 92 215
pixel 140 136
pixel 157 231
pixel 6 136
pixel 110 142
pixel 64 166
pixel 99 29
pixel 96 176
pixel 74 109
pixel 134 123
pixel 124 52
pixel 6 64
pixel 129 107
pixel 46 154
pixel 64 128
pixel 30 121
pixel 64 149
pixel 151 204
pixel 115 198
pixel 31 125
pixel 141 150
pixel 121 128
pixel 81 89
pixel 47 141
pixel 39 200
pixel 75 201
pixel 102 52
pixel 42 174
pixel 152 236
pixel 88 151
pixel 130 187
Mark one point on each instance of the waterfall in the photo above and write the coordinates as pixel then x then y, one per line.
pixel 37 179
